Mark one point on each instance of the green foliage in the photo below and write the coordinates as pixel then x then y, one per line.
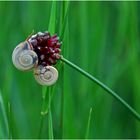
pixel 100 37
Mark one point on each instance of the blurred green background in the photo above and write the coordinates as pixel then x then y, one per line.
pixel 100 37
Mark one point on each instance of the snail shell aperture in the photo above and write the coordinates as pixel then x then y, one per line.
pixel 47 75
pixel 23 57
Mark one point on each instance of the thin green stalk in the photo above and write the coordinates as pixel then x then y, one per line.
pixel 9 120
pixel 107 89
pixel 50 121
pixel 62 102
pixel 46 101
pixel 3 114
pixel 43 110
pixel 46 110
pixel 46 90
pixel 50 125
pixel 63 28
pixel 88 124
pixel 41 126
pixel 65 16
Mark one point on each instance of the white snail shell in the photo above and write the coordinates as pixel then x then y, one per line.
pixel 23 57
pixel 47 75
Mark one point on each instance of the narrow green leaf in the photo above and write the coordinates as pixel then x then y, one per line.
pixel 88 124
pixel 51 28
pixel 46 93
pixel 64 22
pixel 50 122
pixel 52 22
pixel 3 117
pixel 9 120
pixel 45 102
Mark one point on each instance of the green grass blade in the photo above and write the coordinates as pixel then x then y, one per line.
pixel 9 121
pixel 63 32
pixel 41 126
pixel 50 125
pixel 134 44
pixel 50 122
pixel 51 28
pixel 45 103
pixel 52 22
pixel 46 90
pixel 65 12
pixel 88 124
pixel 4 118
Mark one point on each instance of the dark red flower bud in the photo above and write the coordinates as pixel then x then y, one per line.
pixel 47 48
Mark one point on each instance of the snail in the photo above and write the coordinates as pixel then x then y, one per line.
pixel 39 52
pixel 23 57
pixel 46 75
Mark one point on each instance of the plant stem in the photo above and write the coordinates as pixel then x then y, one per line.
pixel 107 89
pixel 41 126
pixel 88 124
pixel 9 121
pixel 50 122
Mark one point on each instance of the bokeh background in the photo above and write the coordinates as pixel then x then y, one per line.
pixel 103 38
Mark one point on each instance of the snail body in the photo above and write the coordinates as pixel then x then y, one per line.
pixel 23 57
pixel 47 75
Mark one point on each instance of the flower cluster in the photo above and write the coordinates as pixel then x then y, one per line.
pixel 47 48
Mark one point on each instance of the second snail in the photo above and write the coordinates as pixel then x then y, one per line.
pixel 39 52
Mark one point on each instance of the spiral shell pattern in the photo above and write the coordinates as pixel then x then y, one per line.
pixel 23 57
pixel 47 75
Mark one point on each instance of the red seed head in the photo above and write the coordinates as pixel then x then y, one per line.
pixel 47 48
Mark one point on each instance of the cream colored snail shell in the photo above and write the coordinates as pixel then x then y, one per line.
pixel 23 57
pixel 47 75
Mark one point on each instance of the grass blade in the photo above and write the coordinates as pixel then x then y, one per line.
pixel 52 22
pixel 65 7
pixel 9 121
pixel 46 104
pixel 46 90
pixel 50 125
pixel 50 122
pixel 63 29
pixel 4 117
pixel 88 124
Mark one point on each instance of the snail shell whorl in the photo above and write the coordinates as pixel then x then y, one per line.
pixel 23 57
pixel 47 75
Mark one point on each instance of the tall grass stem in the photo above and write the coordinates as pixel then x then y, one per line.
pixel 4 115
pixel 88 124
